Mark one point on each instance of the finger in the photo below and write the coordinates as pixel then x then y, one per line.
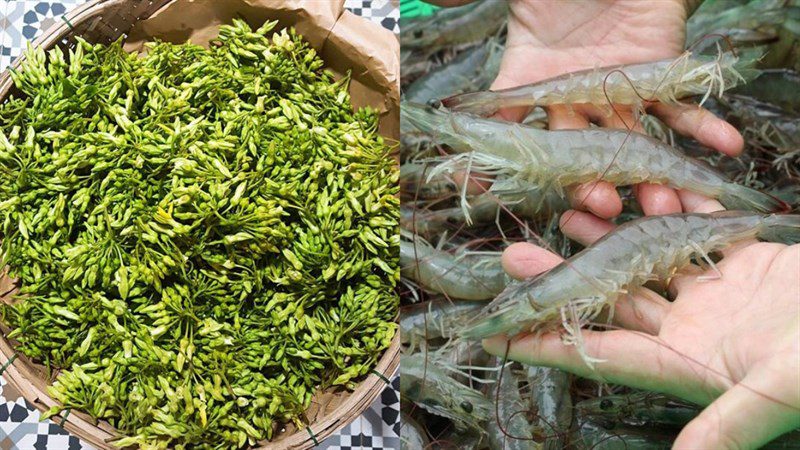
pixel 615 116
pixel 642 311
pixel 687 276
pixel 699 123
pixel 477 183
pixel 762 394
pixel 584 227
pixel 564 117
pixel 628 357
pixel 508 78
pixel 697 203
pixel 600 197
pixel 523 260
pixel 657 199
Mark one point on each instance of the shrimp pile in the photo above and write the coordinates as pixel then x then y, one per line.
pixel 471 185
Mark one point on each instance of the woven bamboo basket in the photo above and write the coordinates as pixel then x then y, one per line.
pixel 104 21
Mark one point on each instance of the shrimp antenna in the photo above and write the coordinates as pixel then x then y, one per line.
pixel 535 415
pixel 497 400
pixel 622 119
pixel 724 37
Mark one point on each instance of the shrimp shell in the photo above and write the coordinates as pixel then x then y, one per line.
pixel 639 408
pixel 551 398
pixel 434 319
pixel 426 384
pixel 556 159
pixel 412 435
pixel 665 81
pixel 517 431
pixel 466 277
pixel 453 26
pixel 618 263
pixel 473 69
pixel 484 208
pixel 412 185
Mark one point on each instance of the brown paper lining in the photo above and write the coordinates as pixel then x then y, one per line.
pixel 343 40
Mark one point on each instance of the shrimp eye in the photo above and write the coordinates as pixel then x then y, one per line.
pixel 467 407
pixel 606 404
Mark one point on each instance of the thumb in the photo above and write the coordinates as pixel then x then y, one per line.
pixel 758 409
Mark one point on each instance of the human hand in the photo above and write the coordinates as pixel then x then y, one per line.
pixel 731 342
pixel 547 38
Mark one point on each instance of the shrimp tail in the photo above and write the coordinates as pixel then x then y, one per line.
pixel 482 103
pixel 781 228
pixel 737 197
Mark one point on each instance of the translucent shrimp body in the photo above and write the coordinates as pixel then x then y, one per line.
pixel 638 408
pixel 664 81
pixel 483 208
pixel 473 69
pixel 517 431
pixel 453 26
pixel 552 401
pixel 576 290
pixel 560 158
pixel 423 382
pixel 412 435
pixel 465 277
pixel 434 319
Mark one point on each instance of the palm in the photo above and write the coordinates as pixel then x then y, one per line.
pixel 720 330
pixel 549 38
pixel 546 39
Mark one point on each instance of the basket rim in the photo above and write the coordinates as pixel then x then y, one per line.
pixel 22 374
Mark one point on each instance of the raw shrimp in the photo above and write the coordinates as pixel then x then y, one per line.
pixel 780 87
pixel 423 382
pixel 556 159
pixel 484 208
pixel 656 428
pixel 709 19
pixel 473 69
pixel 575 291
pixel 766 124
pixel 414 145
pixel 516 432
pixel 454 26
pixel 638 408
pixel 412 435
pixel 433 319
pixel 463 356
pixel 412 185
pixel 465 277
pixel 591 435
pixel 665 81
pixel 552 401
